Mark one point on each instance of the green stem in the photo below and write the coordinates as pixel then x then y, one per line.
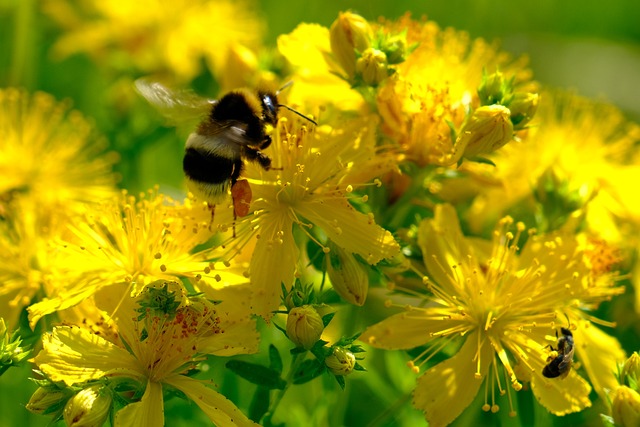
pixel 295 362
pixel 390 411
pixel 22 55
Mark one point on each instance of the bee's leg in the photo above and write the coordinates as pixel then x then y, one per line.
pixel 256 155
pixel 212 208
pixel 265 143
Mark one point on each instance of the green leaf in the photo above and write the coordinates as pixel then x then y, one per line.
pixel 308 370
pixel 259 404
pixel 275 361
pixel 257 374
pixel 340 379
pixel 326 319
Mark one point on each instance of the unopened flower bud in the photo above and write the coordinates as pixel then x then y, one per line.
pixel 395 47
pixel 350 33
pixel 523 107
pixel 304 326
pixel 488 129
pixel 341 361
pixel 348 277
pixel 625 407
pixel 44 398
pixel 88 408
pixel 495 89
pixel 371 67
pixel 631 367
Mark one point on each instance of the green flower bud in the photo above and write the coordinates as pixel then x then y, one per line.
pixel 495 89
pixel 485 131
pixel 371 67
pixel 348 277
pixel 631 367
pixel 88 408
pixel 625 407
pixel 304 326
pixel 350 33
pixel 395 47
pixel 523 107
pixel 341 361
pixel 3 328
pixel 44 398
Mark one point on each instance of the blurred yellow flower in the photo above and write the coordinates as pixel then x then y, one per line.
pixel 306 193
pixel 130 243
pixel 435 87
pixel 506 306
pixel 153 36
pixel 52 169
pixel 155 345
pixel 50 155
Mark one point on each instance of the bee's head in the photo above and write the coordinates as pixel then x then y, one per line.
pixel 269 102
pixel 566 331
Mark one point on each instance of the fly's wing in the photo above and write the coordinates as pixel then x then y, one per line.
pixel 177 106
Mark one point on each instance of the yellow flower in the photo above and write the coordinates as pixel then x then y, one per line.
pixel 625 406
pixel 156 345
pixel 155 36
pixel 435 88
pixel 316 84
pixel 50 155
pixel 52 167
pixel 308 189
pixel 129 243
pixel 583 143
pixel 505 308
pixel 28 260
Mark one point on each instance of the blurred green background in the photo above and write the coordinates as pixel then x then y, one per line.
pixel 590 46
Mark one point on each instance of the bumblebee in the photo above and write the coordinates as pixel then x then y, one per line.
pixel 560 365
pixel 232 130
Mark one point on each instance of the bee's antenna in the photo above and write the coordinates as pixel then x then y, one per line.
pixel 285 86
pixel 298 113
pixel 568 321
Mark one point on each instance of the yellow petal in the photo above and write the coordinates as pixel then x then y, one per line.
pixel 599 354
pixel 74 355
pixel 353 231
pixel 560 396
pixel 443 246
pixel 307 49
pixel 240 334
pixel 446 389
pixel 148 412
pixel 218 408
pixel 273 263
pixel 408 329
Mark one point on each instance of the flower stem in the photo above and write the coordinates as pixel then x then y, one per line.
pixel 21 70
pixel 390 411
pixel 295 362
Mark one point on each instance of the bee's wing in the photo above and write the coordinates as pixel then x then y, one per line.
pixel 567 360
pixel 178 107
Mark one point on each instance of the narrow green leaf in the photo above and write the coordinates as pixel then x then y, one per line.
pixel 259 404
pixel 275 361
pixel 308 370
pixel 341 381
pixel 327 318
pixel 257 374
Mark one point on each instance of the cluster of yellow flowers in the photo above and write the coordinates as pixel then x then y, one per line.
pixel 494 219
